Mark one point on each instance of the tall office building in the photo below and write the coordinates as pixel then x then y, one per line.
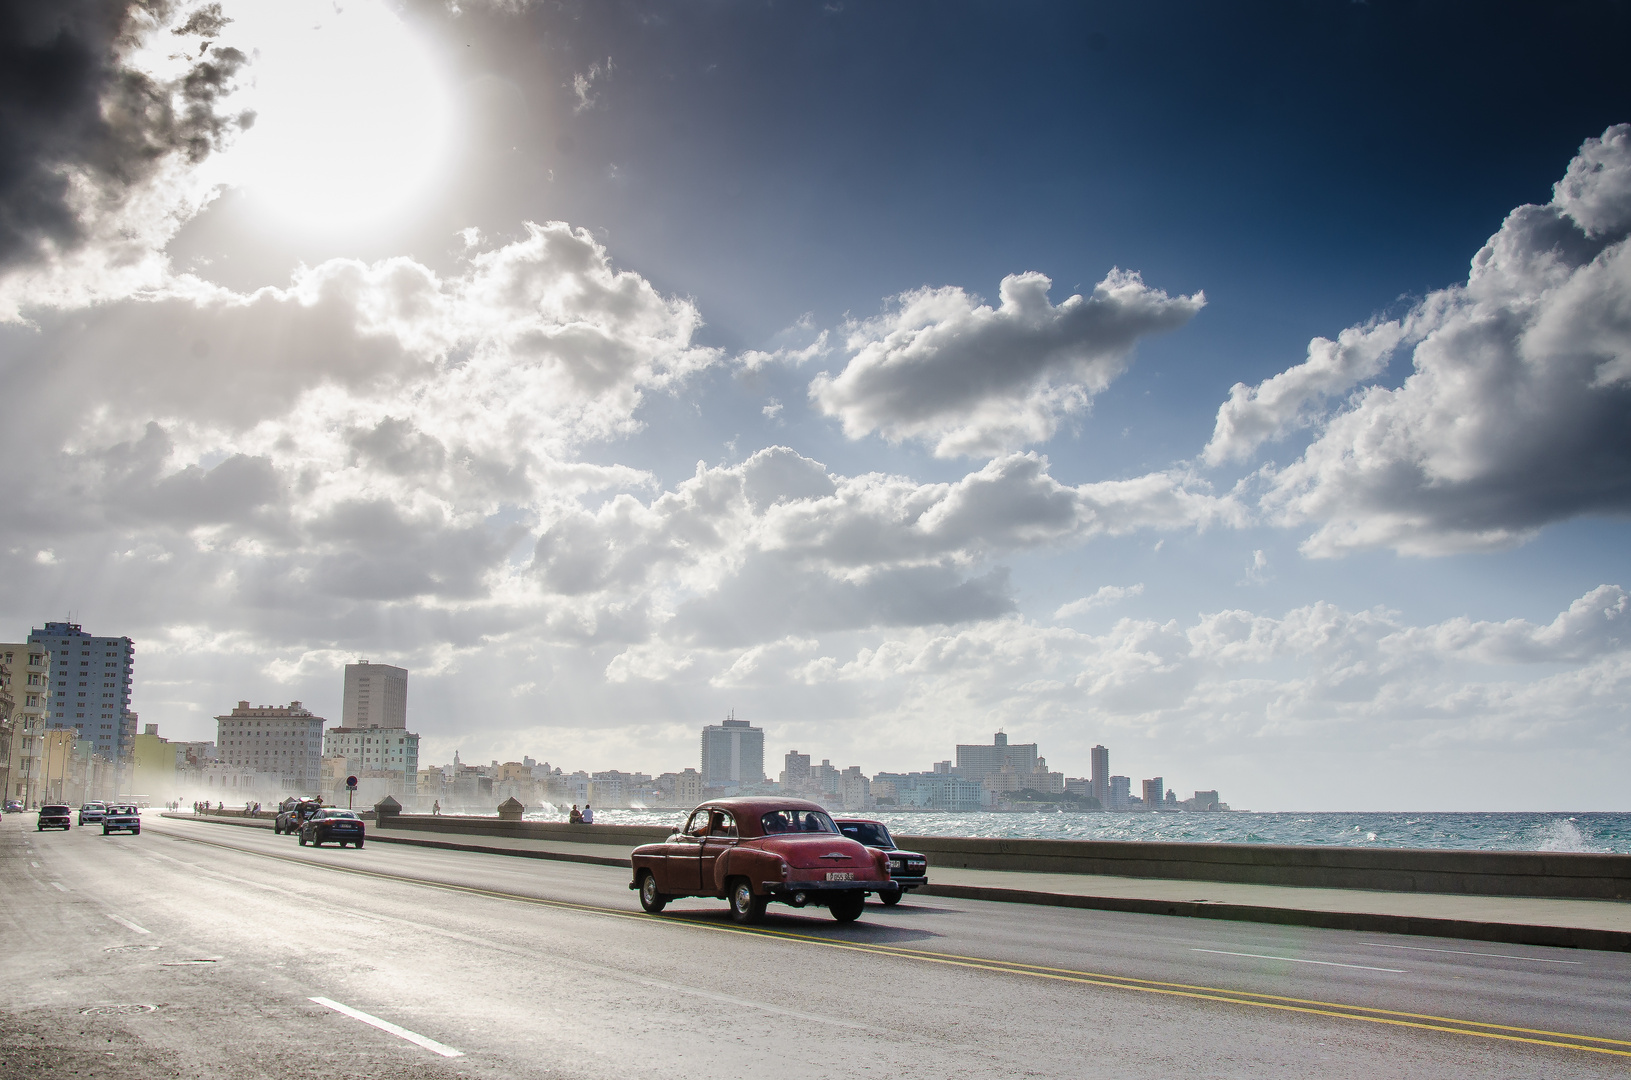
pixel 732 753
pixel 90 690
pixel 376 695
pixel 1101 776
pixel 1154 793
pixel 283 739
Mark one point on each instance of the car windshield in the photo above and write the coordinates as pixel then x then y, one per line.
pixel 790 821
pixel 869 833
pixel 121 809
pixel 53 809
pixel 93 806
pixel 339 813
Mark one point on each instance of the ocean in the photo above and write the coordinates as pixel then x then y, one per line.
pixel 1596 832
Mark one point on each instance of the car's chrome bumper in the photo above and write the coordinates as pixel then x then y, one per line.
pixel 910 882
pixel 788 888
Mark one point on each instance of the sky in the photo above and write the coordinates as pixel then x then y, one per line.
pixel 1246 389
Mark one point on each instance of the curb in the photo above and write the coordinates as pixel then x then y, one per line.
pixel 1562 937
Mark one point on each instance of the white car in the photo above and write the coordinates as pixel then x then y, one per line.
pixel 92 812
pixel 121 819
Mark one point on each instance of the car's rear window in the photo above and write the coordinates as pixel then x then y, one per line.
pixel 868 833
pixel 339 814
pixel 789 821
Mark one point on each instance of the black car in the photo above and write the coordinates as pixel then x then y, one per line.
pixel 54 816
pixel 341 826
pixel 907 869
pixel 293 813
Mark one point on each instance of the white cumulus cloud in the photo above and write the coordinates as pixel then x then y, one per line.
pixel 971 379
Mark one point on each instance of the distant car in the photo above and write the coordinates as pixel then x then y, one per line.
pixel 907 869
pixel 293 813
pixel 54 816
pixel 752 851
pixel 92 812
pixel 121 817
pixel 341 826
pixel 13 806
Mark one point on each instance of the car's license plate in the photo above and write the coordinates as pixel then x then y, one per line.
pixel 839 875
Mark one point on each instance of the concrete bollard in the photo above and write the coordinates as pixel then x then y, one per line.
pixel 386 810
pixel 511 809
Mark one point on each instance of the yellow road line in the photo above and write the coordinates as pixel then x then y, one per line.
pixel 1336 1010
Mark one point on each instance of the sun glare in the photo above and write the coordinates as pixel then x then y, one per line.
pixel 353 116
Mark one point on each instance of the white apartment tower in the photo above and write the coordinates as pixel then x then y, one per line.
pixel 376 695
pixel 732 753
pixel 283 739
pixel 90 689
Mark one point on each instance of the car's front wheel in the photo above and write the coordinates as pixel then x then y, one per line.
pixel 890 897
pixel 746 908
pixel 652 900
pixel 846 907
pixel 302 839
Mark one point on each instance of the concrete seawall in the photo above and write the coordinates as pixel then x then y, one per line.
pixel 1472 873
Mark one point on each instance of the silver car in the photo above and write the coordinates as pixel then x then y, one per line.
pixel 92 812
pixel 121 819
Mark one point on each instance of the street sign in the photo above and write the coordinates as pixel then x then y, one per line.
pixel 351 782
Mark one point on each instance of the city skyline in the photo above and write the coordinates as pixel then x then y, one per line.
pixel 890 374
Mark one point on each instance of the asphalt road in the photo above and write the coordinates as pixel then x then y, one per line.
pixel 202 950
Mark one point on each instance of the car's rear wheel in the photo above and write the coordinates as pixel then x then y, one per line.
pixel 746 908
pixel 846 907
pixel 891 897
pixel 359 843
pixel 652 900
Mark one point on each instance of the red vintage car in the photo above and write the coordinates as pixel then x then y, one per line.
pixel 752 851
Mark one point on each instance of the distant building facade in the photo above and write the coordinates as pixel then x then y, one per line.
pixel 376 695
pixel 91 679
pixel 283 740
pixel 733 753
pixel 28 677
pixel 1101 776
pixel 977 761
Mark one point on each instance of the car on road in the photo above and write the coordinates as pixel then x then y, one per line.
pixel 341 826
pixel 294 813
pixel 907 869
pixel 752 851
pixel 54 816
pixel 92 812
pixel 13 806
pixel 121 817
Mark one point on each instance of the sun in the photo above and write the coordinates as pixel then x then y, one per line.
pixel 353 116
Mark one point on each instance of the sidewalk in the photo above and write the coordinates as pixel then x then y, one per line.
pixel 1582 924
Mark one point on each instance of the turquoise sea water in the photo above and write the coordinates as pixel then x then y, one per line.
pixel 1601 832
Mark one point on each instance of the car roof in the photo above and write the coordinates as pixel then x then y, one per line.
pixel 857 821
pixel 749 809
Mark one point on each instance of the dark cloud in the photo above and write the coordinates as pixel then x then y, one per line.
pixel 70 107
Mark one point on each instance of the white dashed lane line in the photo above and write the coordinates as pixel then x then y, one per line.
pixel 1467 952
pixel 128 925
pixel 59 886
pixel 385 1025
pixel 1294 960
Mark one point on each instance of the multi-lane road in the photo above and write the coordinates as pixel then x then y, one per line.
pixel 202 950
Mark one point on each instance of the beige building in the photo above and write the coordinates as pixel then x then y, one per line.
pixel 29 681
pixel 284 740
pixel 376 695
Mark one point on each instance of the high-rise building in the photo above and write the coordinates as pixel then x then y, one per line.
pixel 795 770
pixel 90 689
pixel 376 695
pixel 1101 776
pixel 977 761
pixel 285 740
pixel 1121 789
pixel 733 753
pixel 1153 793
pixel 29 676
